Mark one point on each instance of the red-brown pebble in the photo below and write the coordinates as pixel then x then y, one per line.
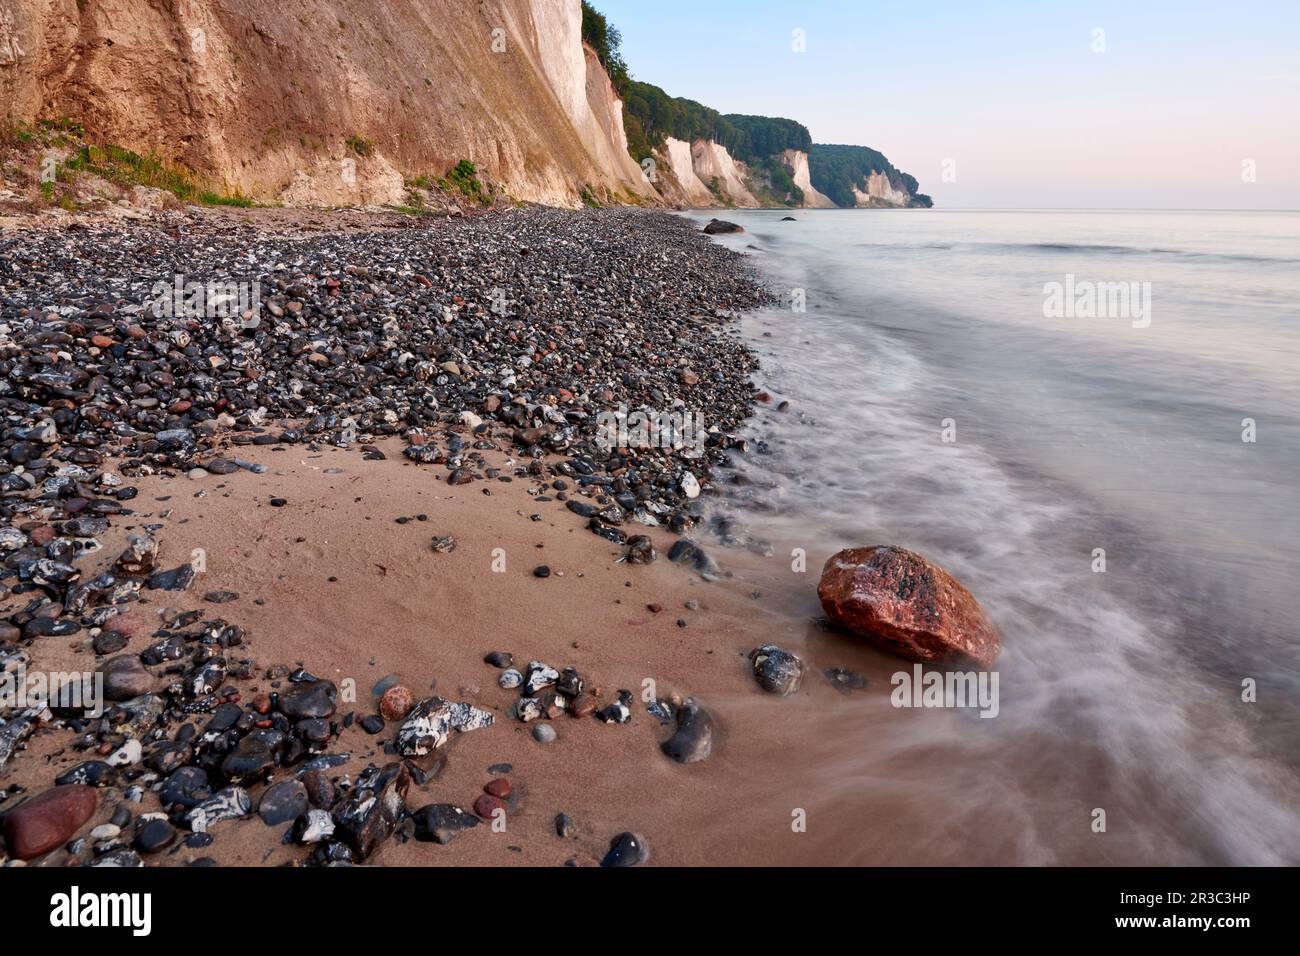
pixel 499 787
pixel 396 702
pixel 486 805
pixel 48 820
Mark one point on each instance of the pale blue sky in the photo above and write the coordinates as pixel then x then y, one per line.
pixel 1011 92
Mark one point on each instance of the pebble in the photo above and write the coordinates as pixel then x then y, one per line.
pixel 125 678
pixel 309 699
pixel 396 702
pixel 693 740
pixel 627 849
pixel 48 820
pixel 486 805
pixel 544 733
pixel 845 680
pixel 777 671
pixel 153 836
pixel 442 823
pixel 282 802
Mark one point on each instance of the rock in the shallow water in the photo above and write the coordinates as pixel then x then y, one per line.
pixel 907 605
pixel 442 823
pixel 48 820
pixel 627 849
pixel 640 550
pixel 845 680
pixel 693 740
pixel 721 226
pixel 777 671
pixel 432 720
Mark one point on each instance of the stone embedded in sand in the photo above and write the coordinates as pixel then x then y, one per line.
pixel 431 722
pixel 777 671
pixel 907 605
pixel 693 740
pixel 48 820
pixel 177 579
pixel 627 849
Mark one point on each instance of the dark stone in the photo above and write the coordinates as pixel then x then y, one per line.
pixel 442 823
pixel 693 740
pixel 154 835
pixel 282 803
pixel 309 699
pixel 627 849
pixel 369 816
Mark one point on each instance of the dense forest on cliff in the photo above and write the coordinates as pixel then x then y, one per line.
pixel 837 169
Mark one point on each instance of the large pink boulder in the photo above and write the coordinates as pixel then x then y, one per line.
pixel 905 604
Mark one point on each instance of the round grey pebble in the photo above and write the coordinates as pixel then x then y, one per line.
pixel 544 733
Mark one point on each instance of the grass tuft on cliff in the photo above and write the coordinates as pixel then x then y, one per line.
pixel 109 162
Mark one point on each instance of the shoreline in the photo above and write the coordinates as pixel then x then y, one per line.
pixel 201 516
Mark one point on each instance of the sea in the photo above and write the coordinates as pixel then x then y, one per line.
pixel 1092 419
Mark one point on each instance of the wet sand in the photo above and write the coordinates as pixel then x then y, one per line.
pixel 395 606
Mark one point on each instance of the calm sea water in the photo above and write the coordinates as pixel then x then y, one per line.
pixel 1074 436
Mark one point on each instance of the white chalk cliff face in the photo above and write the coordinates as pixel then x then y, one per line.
pixel 797 160
pixel 260 97
pixel 880 192
pixel 677 181
pixel 712 162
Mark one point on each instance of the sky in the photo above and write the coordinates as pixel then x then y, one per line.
pixel 1143 104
